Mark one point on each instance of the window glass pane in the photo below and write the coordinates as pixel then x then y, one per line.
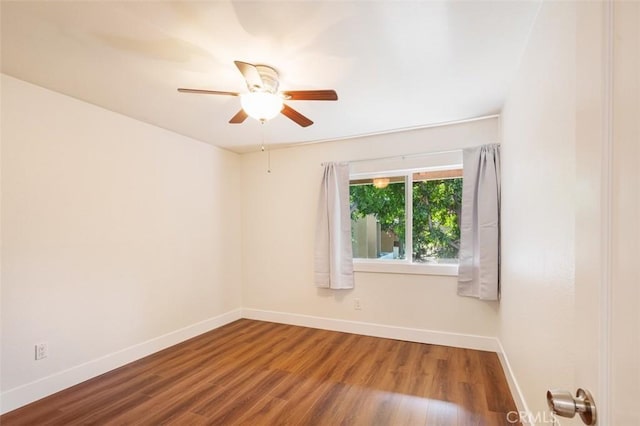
pixel 436 216
pixel 378 217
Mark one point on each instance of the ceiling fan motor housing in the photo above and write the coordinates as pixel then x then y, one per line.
pixel 269 78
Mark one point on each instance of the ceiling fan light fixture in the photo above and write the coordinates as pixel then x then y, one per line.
pixel 261 105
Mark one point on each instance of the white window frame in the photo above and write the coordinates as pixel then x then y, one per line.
pixel 406 265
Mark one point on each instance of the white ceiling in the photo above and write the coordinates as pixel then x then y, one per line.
pixel 395 65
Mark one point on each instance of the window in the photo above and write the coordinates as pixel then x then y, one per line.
pixel 378 217
pixel 437 202
pixel 382 205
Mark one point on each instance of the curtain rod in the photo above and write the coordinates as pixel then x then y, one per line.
pixel 399 157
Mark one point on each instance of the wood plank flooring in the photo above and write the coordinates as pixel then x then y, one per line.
pixel 260 373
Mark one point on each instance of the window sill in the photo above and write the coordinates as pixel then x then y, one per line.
pixel 401 267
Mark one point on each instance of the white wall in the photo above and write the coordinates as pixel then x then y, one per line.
pixel 114 232
pixel 551 205
pixel 279 212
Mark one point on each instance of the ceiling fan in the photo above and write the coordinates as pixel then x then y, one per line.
pixel 264 101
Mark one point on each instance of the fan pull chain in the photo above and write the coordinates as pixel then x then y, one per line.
pixel 262 148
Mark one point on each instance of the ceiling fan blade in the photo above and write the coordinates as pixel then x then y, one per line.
pixel 239 117
pixel 296 116
pixel 207 92
pixel 250 73
pixel 310 95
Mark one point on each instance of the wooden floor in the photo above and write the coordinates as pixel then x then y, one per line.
pixel 260 373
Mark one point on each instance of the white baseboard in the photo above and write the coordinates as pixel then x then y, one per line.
pixel 516 392
pixel 468 341
pixel 30 392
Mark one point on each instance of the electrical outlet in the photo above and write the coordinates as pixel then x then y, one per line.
pixel 357 305
pixel 42 351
